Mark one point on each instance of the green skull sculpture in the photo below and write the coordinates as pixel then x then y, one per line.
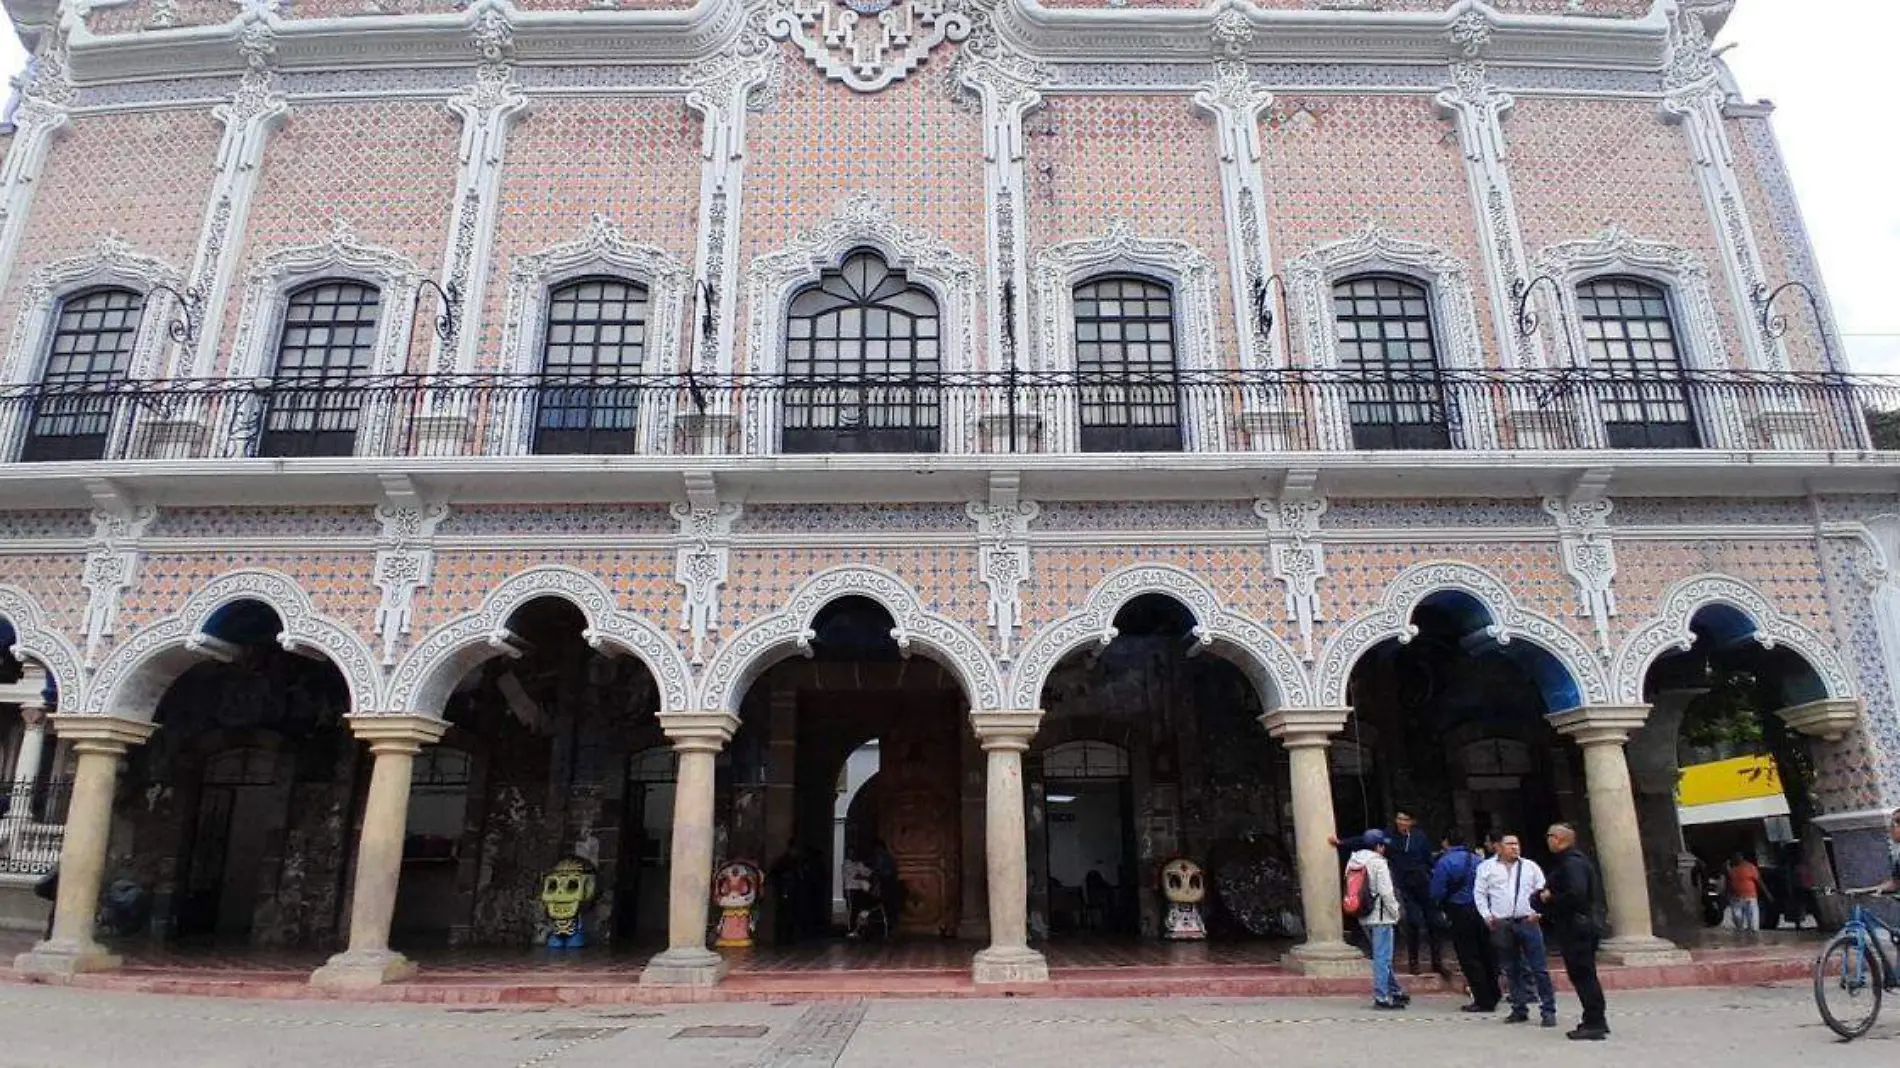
pixel 567 888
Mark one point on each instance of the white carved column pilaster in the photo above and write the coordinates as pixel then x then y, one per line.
pixel 1009 86
pixel 1477 109
pixel 1589 555
pixel 26 765
pixel 405 557
pixel 1694 98
pixel 112 559
pixel 1235 103
pixel 1298 558
pixel 487 108
pixel 702 558
pixel 39 119
pixel 249 118
pixel 1002 534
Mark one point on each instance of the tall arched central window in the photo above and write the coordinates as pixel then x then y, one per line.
pixel 326 348
pixel 1631 338
pixel 862 362
pixel 1125 366
pixel 1395 396
pixel 596 341
pixel 89 355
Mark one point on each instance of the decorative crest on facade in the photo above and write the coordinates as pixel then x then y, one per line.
pixel 1002 532
pixel 405 557
pixel 1583 527
pixel 869 44
pixel 1298 557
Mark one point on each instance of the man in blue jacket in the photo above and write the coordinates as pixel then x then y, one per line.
pixel 1453 878
pixel 1409 852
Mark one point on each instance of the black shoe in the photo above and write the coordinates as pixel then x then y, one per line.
pixel 1549 1021
pixel 1388 1006
pixel 1475 1007
pixel 1588 1034
pixel 1518 1016
pixel 1402 1000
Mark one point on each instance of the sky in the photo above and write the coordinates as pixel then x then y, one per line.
pixel 1822 62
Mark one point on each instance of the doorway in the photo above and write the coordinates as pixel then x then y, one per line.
pixel 1091 838
pixel 646 846
pixel 239 809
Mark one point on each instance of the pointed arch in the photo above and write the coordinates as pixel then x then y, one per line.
pixel 1507 622
pixel 789 632
pixel 424 678
pixel 1670 632
pixel 1275 672
pixel 137 673
pixel 34 640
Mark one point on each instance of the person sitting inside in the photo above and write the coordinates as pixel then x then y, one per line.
pixel 860 895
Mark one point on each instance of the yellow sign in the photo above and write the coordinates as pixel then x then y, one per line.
pixel 1741 779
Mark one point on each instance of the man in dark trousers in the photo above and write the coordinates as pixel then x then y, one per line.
pixel 1570 904
pixel 1409 852
pixel 1453 879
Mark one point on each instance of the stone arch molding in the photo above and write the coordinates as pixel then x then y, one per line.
pixel 764 642
pixel 340 255
pixel 605 251
pixel 861 223
pixel 1273 669
pixel 34 640
pixel 110 261
pixel 1392 618
pixel 137 673
pixel 1615 251
pixel 424 677
pixel 1670 632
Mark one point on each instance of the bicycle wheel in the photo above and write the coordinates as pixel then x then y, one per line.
pixel 1847 985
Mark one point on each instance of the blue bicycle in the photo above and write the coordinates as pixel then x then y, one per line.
pixel 1853 973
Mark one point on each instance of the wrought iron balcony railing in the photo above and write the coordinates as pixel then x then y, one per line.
pixel 1280 411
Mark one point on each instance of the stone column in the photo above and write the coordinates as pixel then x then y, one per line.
pixel 686 961
pixel 1307 733
pixel 1602 731
pixel 100 742
pixel 368 962
pixel 1005 736
pixel 26 773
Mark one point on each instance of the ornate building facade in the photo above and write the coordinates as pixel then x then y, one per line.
pixel 436 439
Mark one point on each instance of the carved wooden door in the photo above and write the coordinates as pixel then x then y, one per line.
pixel 919 819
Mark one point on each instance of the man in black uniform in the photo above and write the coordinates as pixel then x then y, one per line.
pixel 1570 904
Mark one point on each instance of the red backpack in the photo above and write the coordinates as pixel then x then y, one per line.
pixel 1358 901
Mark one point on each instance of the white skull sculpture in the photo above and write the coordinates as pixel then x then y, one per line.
pixel 1181 882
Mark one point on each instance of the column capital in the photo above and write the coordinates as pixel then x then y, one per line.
pixel 34 716
pixel 100 734
pixel 699 731
pixel 1601 724
pixel 1006 729
pixel 1828 719
pixel 1302 728
pixel 397 734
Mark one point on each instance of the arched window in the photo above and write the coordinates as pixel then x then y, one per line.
pixel 862 360
pixel 590 362
pixel 1125 365
pixel 325 350
pixel 1630 334
pixel 1395 396
pixel 90 353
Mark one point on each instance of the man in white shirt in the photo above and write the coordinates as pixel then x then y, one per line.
pixel 1507 884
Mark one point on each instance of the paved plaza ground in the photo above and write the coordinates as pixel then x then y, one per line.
pixel 43 1027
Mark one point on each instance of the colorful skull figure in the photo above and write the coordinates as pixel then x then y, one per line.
pixel 735 890
pixel 1184 887
pixel 566 889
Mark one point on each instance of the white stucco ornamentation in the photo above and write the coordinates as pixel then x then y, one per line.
pixel 34 640
pixel 1275 672
pixel 764 642
pixel 1299 559
pixel 39 119
pixel 701 562
pixel 1670 632
pixel 868 44
pixel 405 558
pixel 141 668
pixel 340 255
pixel 112 561
pixel 422 681
pixel 1615 250
pixel 1583 527
pixel 1002 533
pixel 1392 619
pixel 110 261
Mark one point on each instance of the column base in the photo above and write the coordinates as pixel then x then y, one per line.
pixel 684 967
pixel 363 970
pixel 1009 965
pixel 1327 960
pixel 1647 951
pixel 63 959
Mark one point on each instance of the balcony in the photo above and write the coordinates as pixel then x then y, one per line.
pixel 1290 411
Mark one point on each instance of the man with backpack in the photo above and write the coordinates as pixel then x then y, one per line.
pixel 1572 905
pixel 1454 880
pixel 1374 902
